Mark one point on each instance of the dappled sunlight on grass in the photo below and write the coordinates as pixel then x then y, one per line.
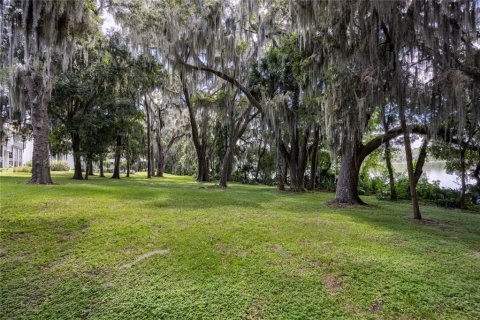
pixel 226 253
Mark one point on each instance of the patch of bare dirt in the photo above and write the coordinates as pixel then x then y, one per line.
pixel 314 263
pixel 84 228
pixel 281 251
pixel 129 250
pixel 57 263
pixel 376 306
pixel 340 205
pixel 3 252
pixel 441 225
pixel 331 282
pixel 95 272
pixel 66 235
pixel 231 251
pixel 18 236
pixel 255 310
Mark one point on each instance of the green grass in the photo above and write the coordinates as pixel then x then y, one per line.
pixel 248 252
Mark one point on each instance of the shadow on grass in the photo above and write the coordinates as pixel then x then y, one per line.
pixel 183 193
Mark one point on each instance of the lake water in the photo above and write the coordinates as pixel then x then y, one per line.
pixel 434 171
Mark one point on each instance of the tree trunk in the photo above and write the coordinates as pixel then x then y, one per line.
pixel 227 164
pixel 149 146
pixel 200 146
pixel 90 167
pixel 279 163
pixel 314 164
pixel 77 161
pixel 202 167
pixel 386 120
pixel 101 168
pixel 41 152
pixel 422 156
pixel 161 154
pixel 347 183
pixel 411 178
pixel 298 154
pixel 128 168
pixel 260 154
pixel 118 154
pixel 463 178
pixel 353 154
pixel 296 182
pixel 391 177
pixel 296 178
pixel 160 164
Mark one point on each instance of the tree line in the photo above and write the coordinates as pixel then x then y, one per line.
pixel 300 94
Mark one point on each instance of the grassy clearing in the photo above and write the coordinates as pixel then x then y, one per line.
pixel 244 253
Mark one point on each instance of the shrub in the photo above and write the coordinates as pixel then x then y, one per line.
pixel 327 181
pixel 59 166
pixel 28 163
pixel 22 169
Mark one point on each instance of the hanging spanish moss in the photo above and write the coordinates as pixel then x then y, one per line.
pixel 41 35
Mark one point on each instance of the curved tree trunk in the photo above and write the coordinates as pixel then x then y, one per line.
pixel 422 156
pixel 118 154
pixel 352 158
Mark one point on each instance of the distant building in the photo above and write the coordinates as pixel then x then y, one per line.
pixel 28 153
pixel 11 148
pixel 15 152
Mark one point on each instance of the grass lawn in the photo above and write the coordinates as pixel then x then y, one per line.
pixel 74 250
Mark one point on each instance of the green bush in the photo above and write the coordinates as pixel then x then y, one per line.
pixel 59 166
pixel 327 181
pixel 22 169
pixel 28 163
pixel 429 191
